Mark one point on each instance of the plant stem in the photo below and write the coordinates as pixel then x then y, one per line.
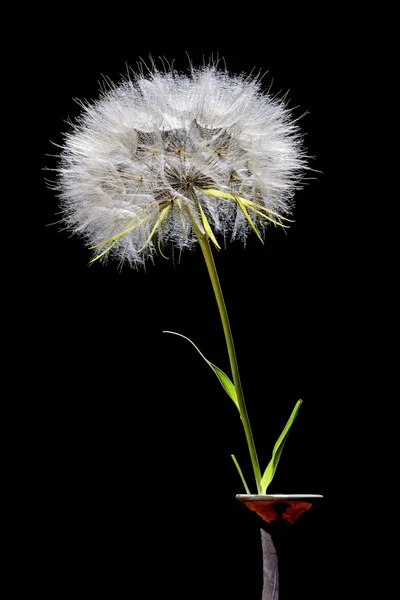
pixel 212 271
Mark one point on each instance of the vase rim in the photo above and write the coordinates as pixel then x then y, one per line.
pixel 251 497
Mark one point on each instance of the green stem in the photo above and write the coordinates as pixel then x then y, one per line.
pixel 212 271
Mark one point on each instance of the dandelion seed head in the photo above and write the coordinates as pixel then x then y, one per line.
pixel 164 156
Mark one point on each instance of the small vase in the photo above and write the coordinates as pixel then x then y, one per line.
pixel 278 511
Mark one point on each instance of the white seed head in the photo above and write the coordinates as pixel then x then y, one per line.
pixel 163 157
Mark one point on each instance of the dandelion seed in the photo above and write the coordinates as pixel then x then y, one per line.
pixel 164 156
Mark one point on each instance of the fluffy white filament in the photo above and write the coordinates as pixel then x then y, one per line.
pixel 164 155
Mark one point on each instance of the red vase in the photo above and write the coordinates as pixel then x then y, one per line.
pixel 275 510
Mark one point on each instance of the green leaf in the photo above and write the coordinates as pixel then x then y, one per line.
pixel 223 378
pixel 277 450
pixel 246 487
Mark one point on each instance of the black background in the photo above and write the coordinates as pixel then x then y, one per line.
pixel 134 433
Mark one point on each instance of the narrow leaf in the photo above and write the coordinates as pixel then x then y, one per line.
pixel 277 450
pixel 223 378
pixel 241 474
